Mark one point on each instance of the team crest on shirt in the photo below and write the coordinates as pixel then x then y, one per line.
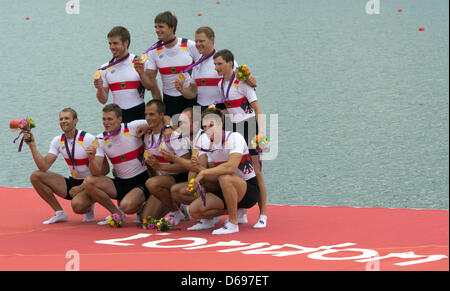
pixel 246 165
pixel 123 85
pixel 246 106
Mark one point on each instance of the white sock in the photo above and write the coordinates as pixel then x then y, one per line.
pixel 89 216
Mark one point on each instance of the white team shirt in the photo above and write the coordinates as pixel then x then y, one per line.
pixel 206 78
pixel 177 145
pixel 125 150
pixel 238 91
pixel 57 146
pixel 220 153
pixel 170 61
pixel 123 81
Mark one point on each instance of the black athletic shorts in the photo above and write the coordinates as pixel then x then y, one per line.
pixel 249 129
pixel 123 186
pixel 133 113
pixel 70 183
pixel 176 105
pixel 181 177
pixel 250 198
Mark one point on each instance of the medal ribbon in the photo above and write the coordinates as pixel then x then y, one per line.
pixel 161 133
pixel 71 154
pixel 108 135
pixel 201 60
pixel 110 64
pixel 225 97
pixel 158 44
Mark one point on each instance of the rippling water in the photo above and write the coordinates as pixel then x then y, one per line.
pixel 362 100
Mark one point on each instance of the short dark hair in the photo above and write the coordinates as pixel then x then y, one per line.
pixel 190 110
pixel 168 18
pixel 213 110
pixel 121 32
pixel 160 107
pixel 208 31
pixel 70 110
pixel 113 107
pixel 226 55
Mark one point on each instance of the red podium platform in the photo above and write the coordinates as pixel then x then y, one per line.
pixel 297 238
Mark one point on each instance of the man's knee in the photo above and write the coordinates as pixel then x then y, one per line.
pixel 36 176
pixel 128 207
pixel 79 207
pixel 89 182
pixel 151 185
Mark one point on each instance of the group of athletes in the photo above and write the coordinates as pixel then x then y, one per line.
pixel 199 130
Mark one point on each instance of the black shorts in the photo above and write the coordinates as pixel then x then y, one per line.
pixel 181 177
pixel 249 129
pixel 70 183
pixel 123 186
pixel 250 198
pixel 133 113
pixel 176 105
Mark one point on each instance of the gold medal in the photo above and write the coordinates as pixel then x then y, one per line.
pixel 95 143
pixel 182 77
pixel 195 152
pixel 97 75
pixel 74 173
pixel 147 154
pixel 143 58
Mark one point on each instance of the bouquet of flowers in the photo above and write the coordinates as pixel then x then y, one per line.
pixel 190 188
pixel 115 221
pixel 243 73
pixel 260 143
pixel 24 125
pixel 162 224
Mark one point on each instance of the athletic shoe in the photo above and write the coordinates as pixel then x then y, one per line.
pixel 228 228
pixel 205 224
pixel 262 222
pixel 60 216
